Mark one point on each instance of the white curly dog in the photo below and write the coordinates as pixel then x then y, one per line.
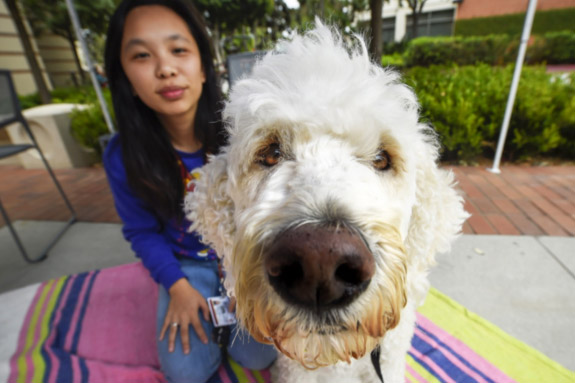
pixel 328 208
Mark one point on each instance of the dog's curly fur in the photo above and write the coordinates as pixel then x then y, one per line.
pixel 308 131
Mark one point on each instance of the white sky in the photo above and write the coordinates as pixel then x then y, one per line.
pixel 292 3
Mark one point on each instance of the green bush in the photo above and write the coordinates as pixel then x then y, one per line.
pixel 395 60
pixel 544 22
pixel 494 50
pixel 30 101
pixel 89 124
pixel 466 106
pixel 553 48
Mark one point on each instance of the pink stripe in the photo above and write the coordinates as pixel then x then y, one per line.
pixel 437 369
pixel 414 373
pixel 24 334
pixel 37 332
pixel 54 361
pixel 266 375
pixel 77 310
pixel 463 350
pixel 250 376
pixel 225 378
pixel 76 372
pixel 450 356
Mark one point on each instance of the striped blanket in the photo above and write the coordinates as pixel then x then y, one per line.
pixel 98 327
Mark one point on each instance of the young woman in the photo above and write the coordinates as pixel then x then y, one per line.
pixel 160 70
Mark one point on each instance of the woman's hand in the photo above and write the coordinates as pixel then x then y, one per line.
pixel 185 303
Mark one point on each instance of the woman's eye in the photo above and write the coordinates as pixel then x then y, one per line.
pixel 270 155
pixel 141 55
pixel 179 50
pixel 382 160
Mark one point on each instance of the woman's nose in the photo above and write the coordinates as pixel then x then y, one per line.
pixel 165 69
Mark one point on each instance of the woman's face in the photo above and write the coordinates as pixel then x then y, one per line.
pixel 162 61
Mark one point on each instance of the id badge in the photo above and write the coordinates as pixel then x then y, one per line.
pixel 219 310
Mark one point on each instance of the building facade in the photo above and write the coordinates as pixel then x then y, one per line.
pixel 439 16
pixel 53 53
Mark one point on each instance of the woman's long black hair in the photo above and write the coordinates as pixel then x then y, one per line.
pixel 149 157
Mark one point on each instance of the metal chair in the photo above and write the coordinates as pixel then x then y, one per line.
pixel 10 112
pixel 241 64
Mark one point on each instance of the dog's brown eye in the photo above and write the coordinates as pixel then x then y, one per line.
pixel 270 155
pixel 382 160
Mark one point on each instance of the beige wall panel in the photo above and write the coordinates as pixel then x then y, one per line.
pixel 50 41
pixel 6 25
pixel 24 83
pixel 57 54
pixel 10 44
pixel 13 62
pixel 63 80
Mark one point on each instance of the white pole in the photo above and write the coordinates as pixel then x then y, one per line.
pixel 95 83
pixel 514 83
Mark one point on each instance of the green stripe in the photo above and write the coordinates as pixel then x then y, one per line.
pixel 428 376
pixel 38 360
pixel 22 371
pixel 258 376
pixel 513 357
pixel 238 371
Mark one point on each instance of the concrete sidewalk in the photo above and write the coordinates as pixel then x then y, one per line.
pixel 523 284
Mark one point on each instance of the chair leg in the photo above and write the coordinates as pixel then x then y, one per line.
pixel 44 253
pixel 17 239
pixel 49 168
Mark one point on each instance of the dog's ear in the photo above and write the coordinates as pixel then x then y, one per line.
pixel 438 214
pixel 209 207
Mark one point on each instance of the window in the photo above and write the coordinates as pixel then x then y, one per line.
pixel 434 23
pixel 388 29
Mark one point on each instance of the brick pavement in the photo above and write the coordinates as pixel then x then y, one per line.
pixel 521 200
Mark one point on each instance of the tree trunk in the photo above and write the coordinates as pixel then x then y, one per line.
pixel 72 42
pixel 414 23
pixel 376 23
pixel 29 52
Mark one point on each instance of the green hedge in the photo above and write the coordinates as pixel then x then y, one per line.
pixel 466 107
pixel 551 48
pixel 493 50
pixel 544 22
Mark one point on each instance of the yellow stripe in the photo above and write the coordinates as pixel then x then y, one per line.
pixel 38 360
pixel 258 376
pixel 513 357
pixel 30 333
pixel 238 371
pixel 428 376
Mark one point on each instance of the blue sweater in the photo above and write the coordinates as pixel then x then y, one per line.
pixel 158 245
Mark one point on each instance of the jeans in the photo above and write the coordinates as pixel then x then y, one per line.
pixel 204 359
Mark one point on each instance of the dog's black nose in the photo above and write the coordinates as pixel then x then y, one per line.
pixel 319 267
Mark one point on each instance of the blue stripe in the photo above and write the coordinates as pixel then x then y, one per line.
pixel 47 346
pixel 84 370
pixel 65 373
pixel 454 353
pixel 426 366
pixel 441 360
pixel 76 339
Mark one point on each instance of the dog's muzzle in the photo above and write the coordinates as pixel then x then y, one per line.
pixel 319 267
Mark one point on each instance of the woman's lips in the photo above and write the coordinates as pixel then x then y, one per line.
pixel 171 92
